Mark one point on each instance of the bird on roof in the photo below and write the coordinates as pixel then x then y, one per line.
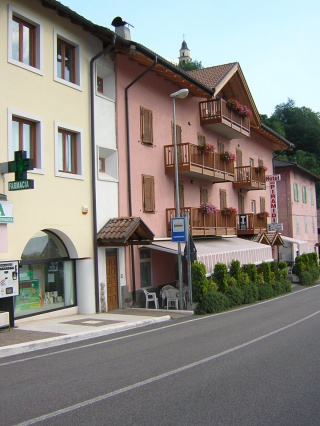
pixel 118 22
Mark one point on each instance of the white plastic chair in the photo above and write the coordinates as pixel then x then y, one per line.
pixel 162 293
pixel 151 297
pixel 172 296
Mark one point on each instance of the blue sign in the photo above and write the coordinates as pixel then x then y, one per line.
pixel 179 229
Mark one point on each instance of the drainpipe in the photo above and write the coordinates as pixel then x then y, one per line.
pixel 93 168
pixel 129 166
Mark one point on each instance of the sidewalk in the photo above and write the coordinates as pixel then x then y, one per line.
pixel 33 334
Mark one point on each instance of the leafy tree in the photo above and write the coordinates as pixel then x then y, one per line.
pixel 192 65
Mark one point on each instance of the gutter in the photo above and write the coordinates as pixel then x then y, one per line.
pixel 93 169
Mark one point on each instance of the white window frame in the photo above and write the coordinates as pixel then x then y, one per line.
pixel 78 132
pixel 296 195
pixel 312 195
pixel 304 194
pixel 108 78
pixel 297 225
pixel 76 44
pixel 13 11
pixel 306 224
pixel 39 136
pixel 110 157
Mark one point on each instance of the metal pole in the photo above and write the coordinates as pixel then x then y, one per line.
pixel 176 173
pixel 189 265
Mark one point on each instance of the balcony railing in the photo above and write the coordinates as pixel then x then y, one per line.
pixel 251 223
pixel 249 178
pixel 216 115
pixel 193 163
pixel 204 224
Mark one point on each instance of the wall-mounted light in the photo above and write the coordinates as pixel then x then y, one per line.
pixel 84 209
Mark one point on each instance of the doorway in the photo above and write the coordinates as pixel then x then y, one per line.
pixel 112 281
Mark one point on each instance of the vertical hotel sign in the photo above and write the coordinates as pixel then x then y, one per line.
pixel 273 179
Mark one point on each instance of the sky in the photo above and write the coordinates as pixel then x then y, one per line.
pixel 277 43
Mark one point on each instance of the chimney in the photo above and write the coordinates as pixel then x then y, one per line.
pixel 121 29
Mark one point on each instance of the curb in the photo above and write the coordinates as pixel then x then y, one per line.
pixel 70 338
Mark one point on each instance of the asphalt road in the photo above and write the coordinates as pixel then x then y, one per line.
pixel 258 365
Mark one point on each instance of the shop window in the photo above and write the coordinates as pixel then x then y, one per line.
pixel 67 61
pixel 25 133
pixel 68 152
pixel 46 276
pixel 24 40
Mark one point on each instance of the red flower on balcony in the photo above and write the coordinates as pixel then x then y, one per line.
pixel 227 156
pixel 261 168
pixel 263 214
pixel 242 110
pixel 229 210
pixel 208 208
pixel 206 148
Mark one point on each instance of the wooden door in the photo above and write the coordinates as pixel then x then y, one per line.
pixel 112 282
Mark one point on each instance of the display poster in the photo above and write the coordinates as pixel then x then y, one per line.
pixel 29 297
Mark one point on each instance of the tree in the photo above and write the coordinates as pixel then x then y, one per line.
pixel 192 65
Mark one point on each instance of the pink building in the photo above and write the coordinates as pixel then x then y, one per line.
pixel 297 209
pixel 223 153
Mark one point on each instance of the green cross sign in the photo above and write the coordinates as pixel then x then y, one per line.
pixel 19 167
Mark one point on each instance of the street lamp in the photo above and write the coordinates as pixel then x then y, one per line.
pixel 182 93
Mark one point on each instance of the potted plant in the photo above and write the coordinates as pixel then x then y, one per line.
pixel 227 156
pixel 208 208
pixel 263 214
pixel 206 148
pixel 242 110
pixel 261 168
pixel 227 211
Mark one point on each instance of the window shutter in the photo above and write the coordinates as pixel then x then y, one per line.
pixel 201 139
pixel 239 157
pixel 146 129
pixel 262 204
pixel 203 194
pixel 148 194
pixel 223 198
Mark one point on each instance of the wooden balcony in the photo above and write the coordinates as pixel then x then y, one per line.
pixel 204 224
pixel 249 178
pixel 215 115
pixel 251 223
pixel 193 163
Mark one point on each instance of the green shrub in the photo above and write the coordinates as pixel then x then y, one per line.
pixel 265 291
pixel 212 302
pixel 235 295
pixel 282 265
pixel 235 269
pixel 220 276
pixel 299 266
pixel 232 282
pixel 310 277
pixel 266 270
pixel 199 280
pixel 252 271
pixel 250 293
pixel 260 279
pixel 287 285
pixel 283 274
pixel 244 280
pixel 277 288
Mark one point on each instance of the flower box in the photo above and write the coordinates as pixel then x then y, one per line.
pixel 227 156
pixel 261 215
pixel 228 211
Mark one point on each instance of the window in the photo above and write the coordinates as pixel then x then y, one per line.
pixel 105 79
pixel 146 130
pixel 145 268
pixel 262 204
pixel 148 198
pixel 304 194
pixel 306 224
pixel 312 195
pixel 102 164
pixel 24 133
pixel 223 198
pixel 178 133
pixel 239 157
pixel 241 203
pixel 297 225
pixel 100 84
pixel 251 162
pixel 24 40
pixel 203 194
pixel 107 164
pixel 68 152
pixel 253 206
pixel 220 146
pixel 67 61
pixel 260 162
pixel 313 225
pixel 296 192
pixel 201 139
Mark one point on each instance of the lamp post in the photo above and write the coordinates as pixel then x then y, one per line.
pixel 182 93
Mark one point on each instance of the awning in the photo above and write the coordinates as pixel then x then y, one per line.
pixel 122 231
pixel 222 250
pixel 302 245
